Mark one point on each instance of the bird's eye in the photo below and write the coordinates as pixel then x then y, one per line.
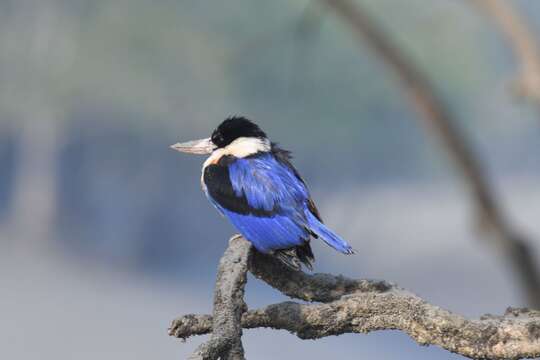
pixel 217 139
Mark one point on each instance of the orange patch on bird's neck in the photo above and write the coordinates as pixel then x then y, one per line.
pixel 216 160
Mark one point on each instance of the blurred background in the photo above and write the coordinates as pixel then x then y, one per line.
pixel 105 235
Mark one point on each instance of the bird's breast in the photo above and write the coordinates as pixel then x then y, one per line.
pixel 212 160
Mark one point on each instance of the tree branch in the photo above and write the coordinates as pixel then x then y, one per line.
pixel 362 306
pixel 521 41
pixel 438 119
pixel 492 337
pixel 225 342
pixel 308 287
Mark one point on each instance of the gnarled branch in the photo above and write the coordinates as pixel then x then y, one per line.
pixel 504 337
pixel 308 287
pixel 361 306
pixel 229 305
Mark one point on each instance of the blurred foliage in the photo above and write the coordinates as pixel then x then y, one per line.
pixel 120 80
pixel 93 92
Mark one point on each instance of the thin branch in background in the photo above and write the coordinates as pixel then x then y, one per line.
pixel 362 306
pixel 522 42
pixel 225 342
pixel 440 122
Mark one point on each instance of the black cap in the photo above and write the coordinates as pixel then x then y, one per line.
pixel 234 128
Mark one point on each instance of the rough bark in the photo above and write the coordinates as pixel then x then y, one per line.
pixel 308 287
pixel 225 342
pixel 439 121
pixel 352 306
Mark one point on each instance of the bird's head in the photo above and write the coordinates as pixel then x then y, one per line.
pixel 236 136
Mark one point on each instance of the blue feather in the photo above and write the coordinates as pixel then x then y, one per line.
pixel 267 183
pixel 327 235
pixel 271 186
pixel 269 233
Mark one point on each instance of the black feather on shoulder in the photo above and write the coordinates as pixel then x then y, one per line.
pixel 218 184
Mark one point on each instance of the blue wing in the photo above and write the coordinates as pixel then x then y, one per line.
pixel 267 184
pixel 267 202
pixel 269 233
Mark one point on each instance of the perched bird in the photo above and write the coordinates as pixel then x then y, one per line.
pixel 252 182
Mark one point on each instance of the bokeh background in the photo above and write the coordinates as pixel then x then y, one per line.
pixel 105 236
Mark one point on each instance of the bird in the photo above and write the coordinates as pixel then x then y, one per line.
pixel 252 182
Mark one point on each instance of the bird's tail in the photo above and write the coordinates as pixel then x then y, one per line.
pixel 327 235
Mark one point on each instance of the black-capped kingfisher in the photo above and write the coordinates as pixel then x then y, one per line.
pixel 252 182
